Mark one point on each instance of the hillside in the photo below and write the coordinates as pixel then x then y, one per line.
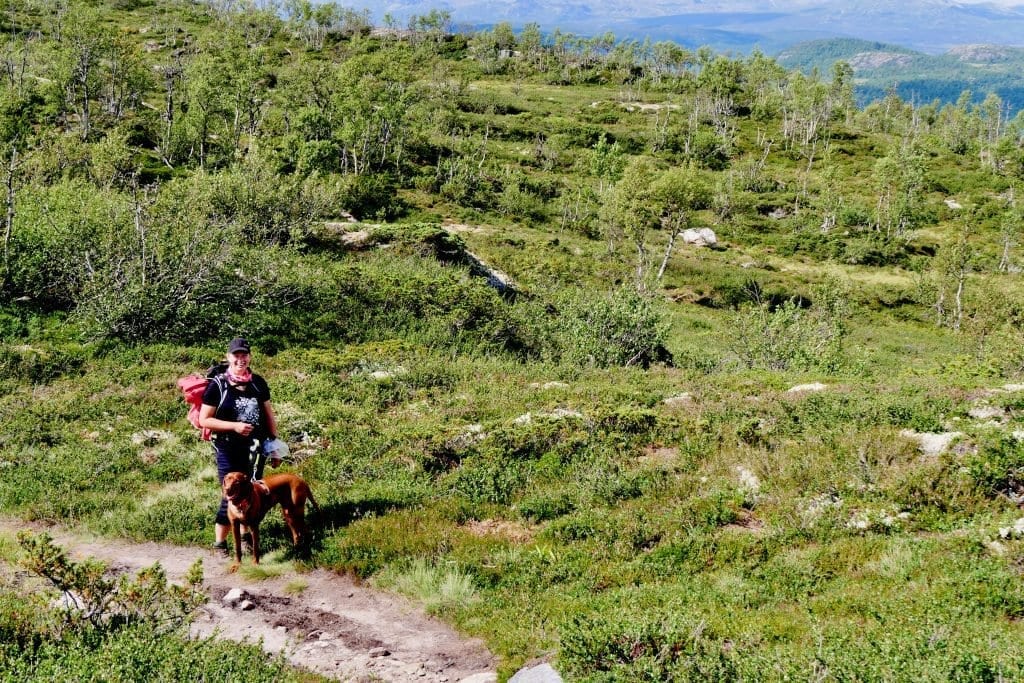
pixel 650 363
pixel 918 77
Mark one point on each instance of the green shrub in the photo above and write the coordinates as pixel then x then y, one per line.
pixel 546 506
pixel 792 335
pixel 917 411
pixel 612 486
pixel 691 553
pixel 576 526
pixel 483 480
pixel 140 653
pixel 176 518
pixel 619 328
pixel 370 197
pixel 37 364
pixel 653 648
pixel 629 420
pixel 367 546
pixel 95 605
pixel 997 466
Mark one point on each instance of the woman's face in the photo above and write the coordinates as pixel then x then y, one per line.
pixel 238 362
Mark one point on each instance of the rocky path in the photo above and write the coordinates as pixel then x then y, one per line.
pixel 319 620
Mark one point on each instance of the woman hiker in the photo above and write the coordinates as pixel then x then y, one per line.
pixel 241 423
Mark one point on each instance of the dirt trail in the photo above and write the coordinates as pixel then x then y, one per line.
pixel 333 626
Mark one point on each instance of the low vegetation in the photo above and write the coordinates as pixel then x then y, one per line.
pixel 523 395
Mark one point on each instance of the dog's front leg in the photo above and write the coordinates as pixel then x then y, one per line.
pixel 254 531
pixel 236 535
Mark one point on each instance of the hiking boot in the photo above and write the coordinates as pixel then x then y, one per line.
pixel 221 546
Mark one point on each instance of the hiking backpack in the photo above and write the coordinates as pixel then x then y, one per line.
pixel 192 389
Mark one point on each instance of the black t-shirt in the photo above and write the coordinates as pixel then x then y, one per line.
pixel 243 403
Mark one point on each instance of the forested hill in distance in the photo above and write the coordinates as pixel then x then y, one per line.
pixel 930 26
pixel 918 77
pixel 926 49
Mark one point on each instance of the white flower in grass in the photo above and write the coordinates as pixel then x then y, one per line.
pixel 748 480
pixel 1015 531
pixel 882 520
pixel 817 506
pixel 859 523
pixel 750 485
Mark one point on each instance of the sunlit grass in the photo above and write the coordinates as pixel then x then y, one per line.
pixel 271 566
pixel 9 550
pixel 437 588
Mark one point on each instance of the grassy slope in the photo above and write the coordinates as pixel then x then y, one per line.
pixel 627 540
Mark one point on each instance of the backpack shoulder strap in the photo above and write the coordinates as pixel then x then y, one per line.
pixel 260 384
pixel 222 387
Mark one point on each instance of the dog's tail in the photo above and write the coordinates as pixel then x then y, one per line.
pixel 312 501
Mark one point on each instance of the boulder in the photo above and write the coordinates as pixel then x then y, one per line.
pixel 234 596
pixel 931 443
pixel 542 673
pixel 683 399
pixel 986 413
pixel 704 237
pixel 802 388
pixel 495 278
pixel 484 677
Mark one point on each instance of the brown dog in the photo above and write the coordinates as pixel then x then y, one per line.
pixel 249 502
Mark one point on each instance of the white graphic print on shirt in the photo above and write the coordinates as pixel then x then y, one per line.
pixel 247 409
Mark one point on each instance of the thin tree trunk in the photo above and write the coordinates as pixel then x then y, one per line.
pixel 668 252
pixel 641 258
pixel 960 278
pixel 9 219
pixel 140 229
pixel 1004 260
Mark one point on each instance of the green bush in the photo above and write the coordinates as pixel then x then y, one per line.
pixel 486 481
pixel 370 197
pixel 367 546
pixel 621 327
pixel 792 335
pixel 629 420
pixel 140 653
pixel 38 364
pixel 652 648
pixel 997 466
pixel 546 506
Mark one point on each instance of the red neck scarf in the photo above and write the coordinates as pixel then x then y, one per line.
pixel 244 378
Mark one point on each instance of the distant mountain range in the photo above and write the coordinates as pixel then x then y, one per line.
pixel 929 26
pixel 918 77
pixel 925 49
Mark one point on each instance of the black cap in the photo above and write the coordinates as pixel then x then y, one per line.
pixel 238 344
